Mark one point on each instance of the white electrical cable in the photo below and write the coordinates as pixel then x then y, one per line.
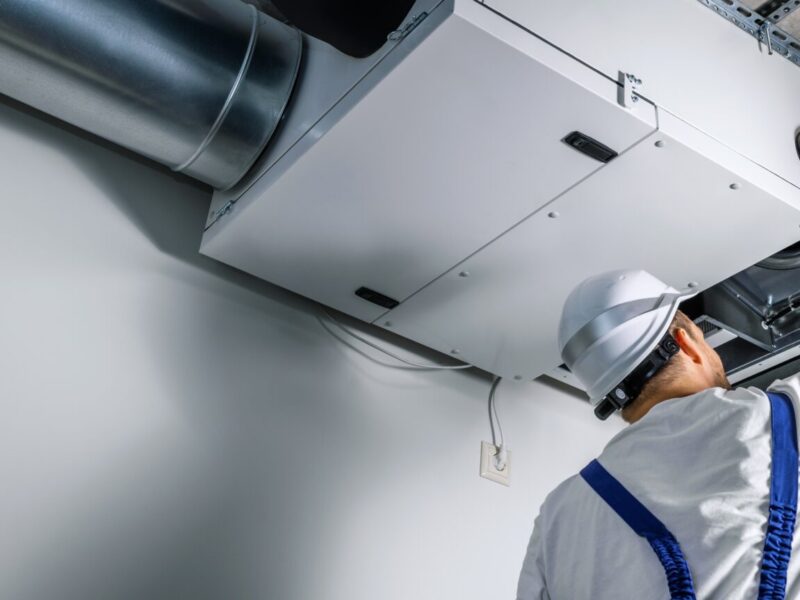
pixel 493 418
pixel 422 367
pixel 353 345
pixel 501 457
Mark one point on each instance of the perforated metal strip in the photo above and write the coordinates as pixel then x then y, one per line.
pixel 761 27
pixel 777 10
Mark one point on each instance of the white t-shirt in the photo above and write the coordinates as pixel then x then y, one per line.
pixel 701 464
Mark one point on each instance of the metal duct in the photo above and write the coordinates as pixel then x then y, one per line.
pixel 198 85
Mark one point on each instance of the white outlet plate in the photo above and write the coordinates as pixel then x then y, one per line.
pixel 488 468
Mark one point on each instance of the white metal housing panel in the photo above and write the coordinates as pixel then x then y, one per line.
pixel 693 63
pixel 325 77
pixel 668 208
pixel 450 149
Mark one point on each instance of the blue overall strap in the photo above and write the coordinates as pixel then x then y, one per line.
pixel 782 500
pixel 645 524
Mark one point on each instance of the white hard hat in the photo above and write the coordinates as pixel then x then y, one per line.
pixel 611 323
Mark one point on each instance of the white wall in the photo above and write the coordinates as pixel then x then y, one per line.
pixel 171 428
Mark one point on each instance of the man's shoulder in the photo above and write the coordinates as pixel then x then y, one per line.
pixel 697 415
pixel 697 434
pixel 564 495
pixel 676 433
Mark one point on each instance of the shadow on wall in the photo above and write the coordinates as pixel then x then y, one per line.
pixel 173 225
pixel 195 511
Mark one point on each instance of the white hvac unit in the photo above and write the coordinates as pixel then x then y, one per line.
pixel 455 185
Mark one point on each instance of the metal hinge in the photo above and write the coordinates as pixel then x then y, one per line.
pixel 399 34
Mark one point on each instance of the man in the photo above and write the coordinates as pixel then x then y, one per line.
pixel 677 505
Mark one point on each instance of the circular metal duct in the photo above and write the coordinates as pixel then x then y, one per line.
pixel 788 258
pixel 198 85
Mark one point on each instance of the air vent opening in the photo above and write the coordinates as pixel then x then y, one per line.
pixel 753 316
pixel 355 27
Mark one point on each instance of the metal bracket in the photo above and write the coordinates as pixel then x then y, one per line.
pixel 221 212
pixel 766 35
pixel 399 34
pixel 630 83
pixel 762 25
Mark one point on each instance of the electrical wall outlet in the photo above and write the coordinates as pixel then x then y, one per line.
pixel 489 469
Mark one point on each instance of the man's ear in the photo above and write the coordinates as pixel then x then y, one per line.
pixel 688 345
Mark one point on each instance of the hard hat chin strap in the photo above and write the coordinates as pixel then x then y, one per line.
pixel 630 387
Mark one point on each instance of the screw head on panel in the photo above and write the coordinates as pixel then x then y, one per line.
pixel 554 214
pixel 387 323
pixel 659 144
pixel 455 351
pixel 693 284
pixel 464 274
pixel 518 377
pixel 734 186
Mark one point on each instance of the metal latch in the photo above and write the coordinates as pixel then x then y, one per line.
pixel 399 34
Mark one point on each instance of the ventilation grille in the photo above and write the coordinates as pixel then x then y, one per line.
pixel 707 327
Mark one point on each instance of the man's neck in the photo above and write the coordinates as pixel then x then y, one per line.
pixel 642 406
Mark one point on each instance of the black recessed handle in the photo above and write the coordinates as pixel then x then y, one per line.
pixel 590 147
pixel 376 297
